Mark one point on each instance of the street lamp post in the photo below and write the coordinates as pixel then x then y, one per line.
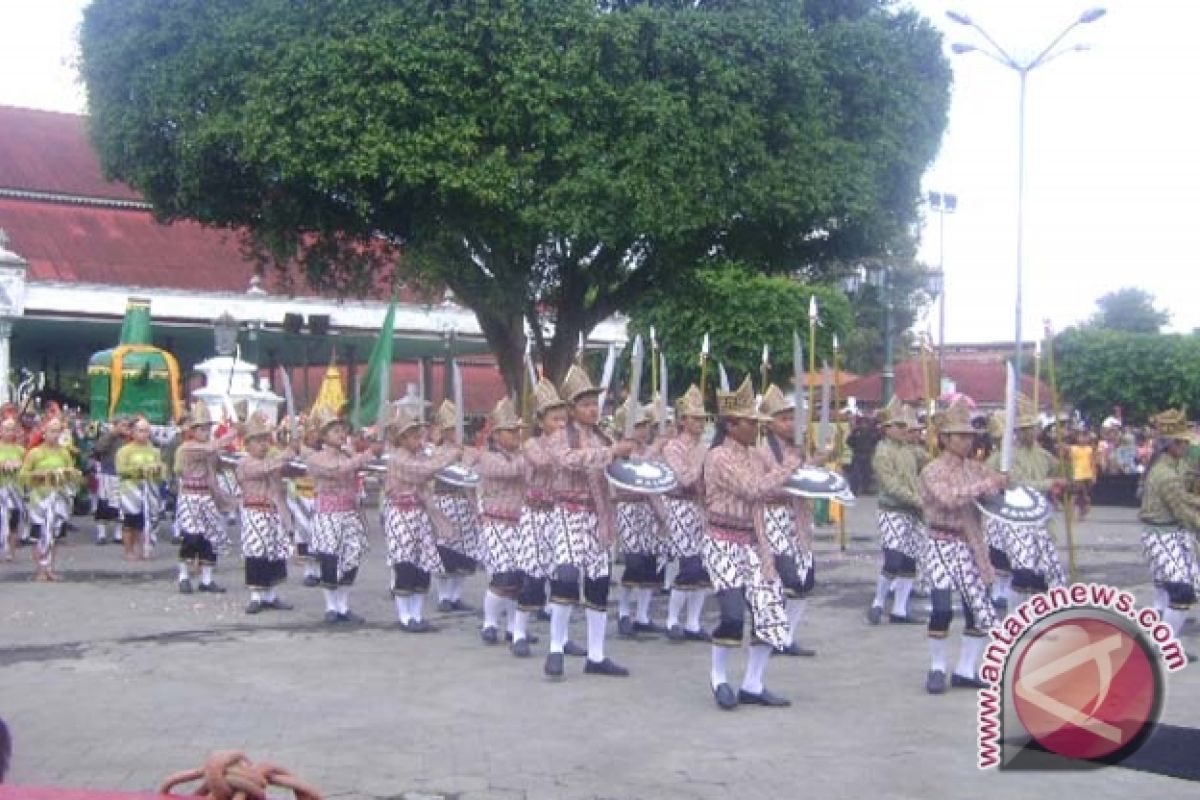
pixel 1022 68
pixel 943 203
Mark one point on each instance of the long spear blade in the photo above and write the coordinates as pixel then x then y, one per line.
pixel 662 394
pixel 826 395
pixel 459 422
pixel 799 419
pixel 635 385
pixel 285 381
pixel 722 377
pixel 1010 418
pixel 610 365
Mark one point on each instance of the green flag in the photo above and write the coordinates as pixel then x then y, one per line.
pixel 375 385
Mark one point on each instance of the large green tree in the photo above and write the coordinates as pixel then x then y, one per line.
pixel 1131 310
pixel 548 160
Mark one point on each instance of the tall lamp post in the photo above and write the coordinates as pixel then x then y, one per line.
pixel 943 203
pixel 998 54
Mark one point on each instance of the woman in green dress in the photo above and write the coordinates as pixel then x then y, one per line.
pixel 49 474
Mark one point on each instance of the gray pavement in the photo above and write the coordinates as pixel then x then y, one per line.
pixel 112 680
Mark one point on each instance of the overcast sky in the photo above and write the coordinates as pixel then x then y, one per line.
pixel 1113 170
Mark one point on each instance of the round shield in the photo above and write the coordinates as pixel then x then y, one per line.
pixel 819 483
pixel 641 477
pixel 1019 506
pixel 458 476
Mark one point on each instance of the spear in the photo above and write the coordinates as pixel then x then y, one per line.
pixel 528 380
pixel 1068 500
pixel 653 361
pixel 635 384
pixel 764 368
pixel 1037 375
pixel 839 439
pixel 799 427
pixel 812 361
pixel 662 394
pixel 704 365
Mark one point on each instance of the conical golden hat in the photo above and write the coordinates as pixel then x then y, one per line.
pixel 1171 424
pixel 545 397
pixel 322 417
pixel 690 404
pixel 645 414
pixel 1027 414
pixel 908 415
pixel 774 402
pixel 446 415
pixel 403 419
pixel 956 418
pixel 893 412
pixel 198 414
pixel 257 425
pixel 739 403
pixel 504 416
pixel 576 384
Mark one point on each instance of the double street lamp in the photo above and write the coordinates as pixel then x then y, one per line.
pixel 998 54
pixel 943 203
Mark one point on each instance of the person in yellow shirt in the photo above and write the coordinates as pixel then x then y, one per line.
pixel 141 469
pixel 1083 471
pixel 49 473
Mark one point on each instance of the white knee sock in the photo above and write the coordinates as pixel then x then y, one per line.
pixel 695 607
pixel 900 599
pixel 968 656
pixel 256 596
pixel 643 605
pixel 597 621
pixel 881 589
pixel 720 663
pixel 183 571
pixel 795 613
pixel 756 668
pixel 416 606
pixel 269 596
pixel 510 613
pixel 402 612
pixel 443 587
pixel 312 568
pixel 1161 600
pixel 560 619
pixel 101 532
pixel 491 609
pixel 343 599
pixel 669 572
pixel 206 574
pixel 1175 618
pixel 457 586
pixel 675 604
pixel 330 600
pixel 520 624
pixel 1002 589
pixel 937 654
pixel 624 596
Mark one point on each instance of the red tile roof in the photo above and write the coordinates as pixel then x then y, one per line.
pixel 983 381
pixel 45 151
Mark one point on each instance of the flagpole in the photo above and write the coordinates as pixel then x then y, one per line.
pixel 1068 500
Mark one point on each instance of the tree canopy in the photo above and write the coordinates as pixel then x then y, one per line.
pixel 1131 310
pixel 548 160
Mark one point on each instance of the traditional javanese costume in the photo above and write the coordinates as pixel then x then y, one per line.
pixel 461 549
pixel 51 479
pixel 141 471
pixel 897 465
pixel 13 513
pixel 266 522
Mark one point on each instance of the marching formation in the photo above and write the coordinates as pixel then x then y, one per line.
pixel 544 507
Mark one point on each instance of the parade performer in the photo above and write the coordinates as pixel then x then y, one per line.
pixel 265 517
pixel 541 519
pixel 1170 518
pixel 108 484
pixel 955 556
pixel 141 470
pixel 339 537
pixel 1033 558
pixel 736 552
pixel 49 474
pixel 501 468
pixel 897 464
pixel 13 513
pixel 684 454
pixel 787 520
pixel 637 517
pixel 201 500
pixel 581 553
pixel 302 503
pixel 461 550
pixel 412 522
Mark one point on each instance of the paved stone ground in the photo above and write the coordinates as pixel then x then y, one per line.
pixel 113 680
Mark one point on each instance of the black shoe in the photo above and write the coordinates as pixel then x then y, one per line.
pixel 696 636
pixel 554 665
pixel 350 616
pixel 254 606
pixel 763 698
pixel 332 618
pixel 625 628
pixel 185 586
pixel 907 619
pixel 459 605
pixel 489 636
pixel 520 648
pixel 278 605
pixel 794 649
pixel 965 682
pixel 445 606
pixel 212 588
pixel 726 699
pixel 675 634
pixel 648 627
pixel 874 615
pixel 935 682
pixel 574 650
pixel 606 667
pixel 419 626
pixel 311 581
